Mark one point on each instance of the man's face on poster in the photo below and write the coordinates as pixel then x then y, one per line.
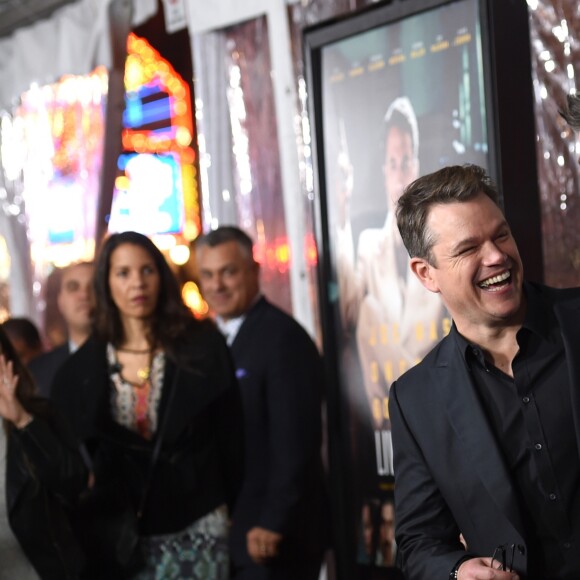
pixel 400 167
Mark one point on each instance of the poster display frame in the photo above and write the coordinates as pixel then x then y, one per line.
pixel 508 135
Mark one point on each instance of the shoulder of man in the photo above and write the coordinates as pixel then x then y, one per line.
pixel 78 383
pixel 85 359
pixel 556 294
pixel 439 356
pixel 59 353
pixel 280 321
pixel 44 367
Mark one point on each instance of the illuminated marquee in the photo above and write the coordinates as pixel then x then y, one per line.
pixel 156 189
pixel 56 141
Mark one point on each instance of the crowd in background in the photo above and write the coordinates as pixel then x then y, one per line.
pixel 213 443
pixel 210 431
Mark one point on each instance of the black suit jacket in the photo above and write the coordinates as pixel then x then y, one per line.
pixel 44 367
pixel 280 374
pixel 450 475
pixel 201 461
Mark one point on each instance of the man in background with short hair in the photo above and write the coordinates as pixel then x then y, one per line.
pixel 75 303
pixel 279 524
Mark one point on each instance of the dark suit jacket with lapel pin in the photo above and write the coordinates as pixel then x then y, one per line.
pixel 281 379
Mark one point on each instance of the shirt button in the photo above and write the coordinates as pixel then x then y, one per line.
pixel 552 496
pixel 526 400
pixel 538 446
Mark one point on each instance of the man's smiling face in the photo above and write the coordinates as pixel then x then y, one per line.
pixel 475 264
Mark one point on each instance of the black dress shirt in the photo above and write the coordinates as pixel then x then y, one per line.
pixel 532 419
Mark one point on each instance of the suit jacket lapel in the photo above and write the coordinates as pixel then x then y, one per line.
pixel 468 420
pixel 243 337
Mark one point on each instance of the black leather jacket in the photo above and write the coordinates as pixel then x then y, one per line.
pixel 44 471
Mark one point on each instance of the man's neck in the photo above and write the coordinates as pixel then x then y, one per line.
pixel 499 345
pixel 497 340
pixel 230 327
pixel 77 337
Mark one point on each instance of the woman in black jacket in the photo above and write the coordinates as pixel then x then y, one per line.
pixel 41 474
pixel 151 364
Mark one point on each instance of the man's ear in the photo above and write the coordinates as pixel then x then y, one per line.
pixel 424 271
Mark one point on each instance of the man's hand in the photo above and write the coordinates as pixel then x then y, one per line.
pixel 263 544
pixel 481 569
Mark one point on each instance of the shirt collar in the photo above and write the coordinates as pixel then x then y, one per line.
pixel 229 328
pixel 462 343
pixel 539 319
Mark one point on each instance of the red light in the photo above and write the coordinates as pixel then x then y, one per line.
pixel 310 251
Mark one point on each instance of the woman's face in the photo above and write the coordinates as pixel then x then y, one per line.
pixel 134 281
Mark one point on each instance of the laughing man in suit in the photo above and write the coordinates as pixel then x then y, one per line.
pixel 486 428
pixel 279 520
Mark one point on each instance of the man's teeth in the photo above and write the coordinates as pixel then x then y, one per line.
pixel 495 280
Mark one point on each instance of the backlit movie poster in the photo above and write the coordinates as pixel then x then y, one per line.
pixel 398 101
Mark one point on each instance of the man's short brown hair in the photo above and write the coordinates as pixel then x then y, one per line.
pixel 456 183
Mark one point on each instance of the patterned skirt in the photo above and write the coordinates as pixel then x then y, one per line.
pixel 200 552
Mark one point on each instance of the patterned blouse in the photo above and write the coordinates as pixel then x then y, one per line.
pixel 136 407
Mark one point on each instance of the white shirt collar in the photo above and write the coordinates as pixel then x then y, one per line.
pixel 229 328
